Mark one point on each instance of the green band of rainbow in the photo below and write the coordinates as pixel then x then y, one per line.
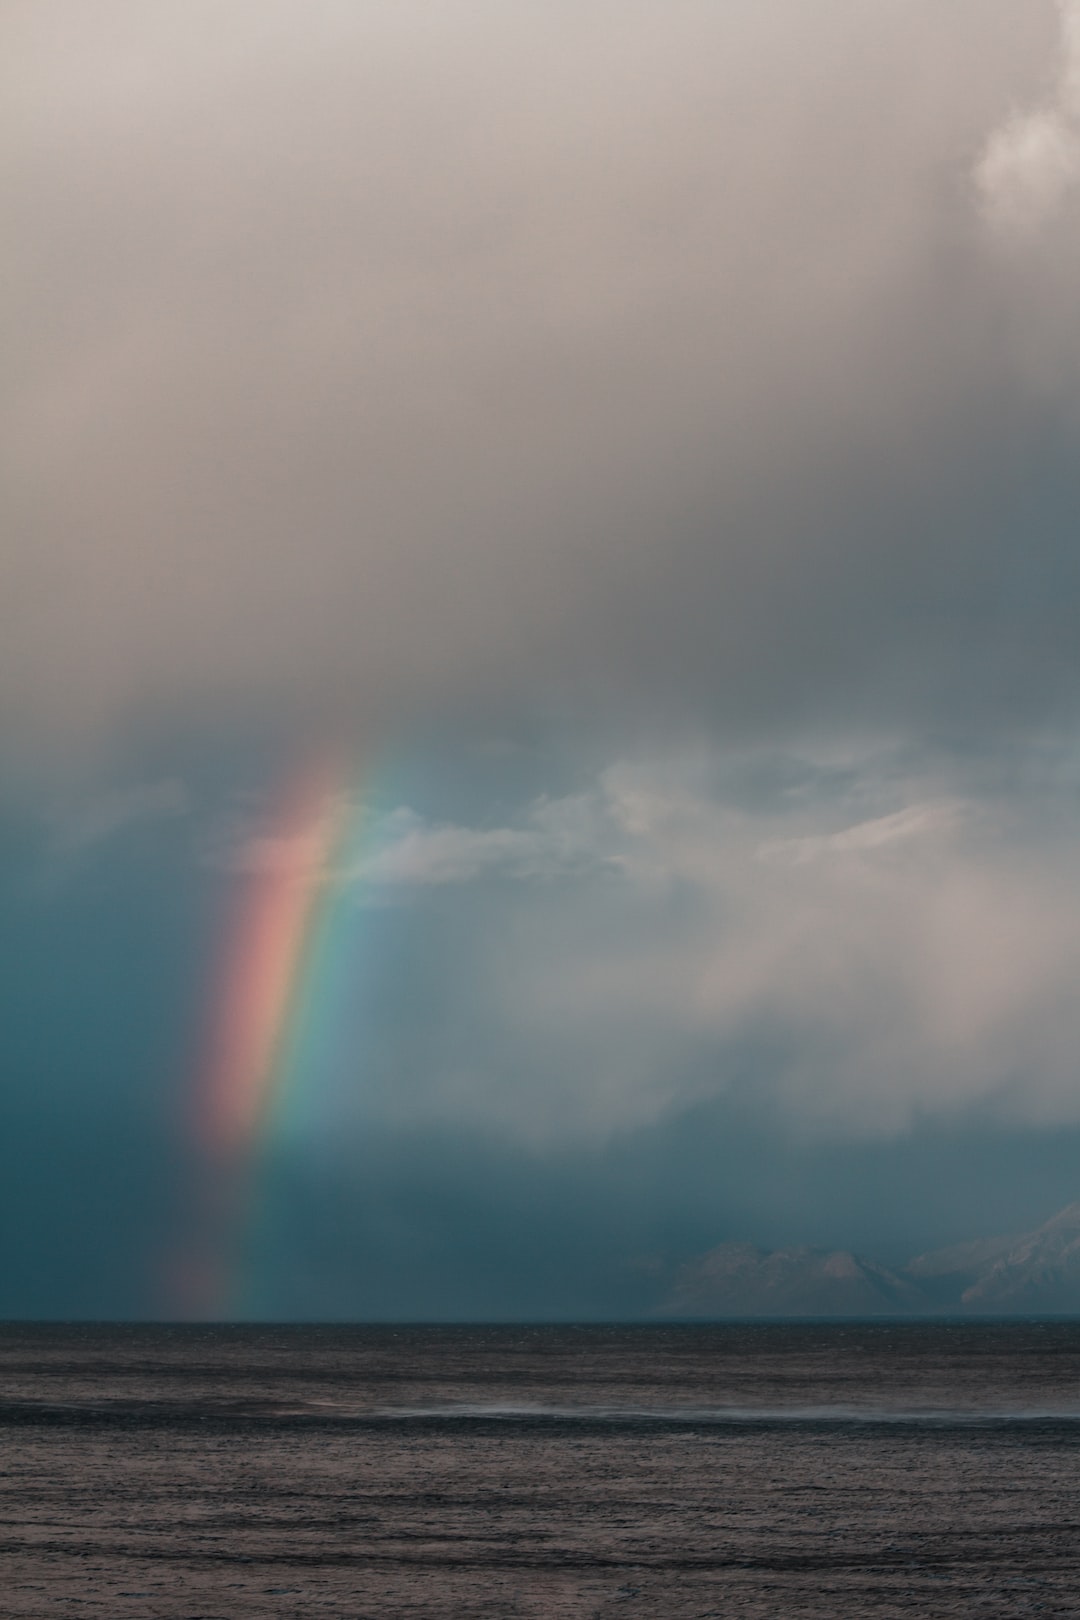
pixel 275 970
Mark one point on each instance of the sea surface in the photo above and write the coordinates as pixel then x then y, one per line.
pixel 775 1470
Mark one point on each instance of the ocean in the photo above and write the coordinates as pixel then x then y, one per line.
pixel 763 1470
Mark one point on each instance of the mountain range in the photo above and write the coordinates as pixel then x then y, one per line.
pixel 1035 1273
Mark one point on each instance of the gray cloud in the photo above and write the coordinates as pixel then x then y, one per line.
pixel 877 949
pixel 378 363
pixel 82 825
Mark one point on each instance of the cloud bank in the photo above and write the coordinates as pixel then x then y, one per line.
pixel 373 366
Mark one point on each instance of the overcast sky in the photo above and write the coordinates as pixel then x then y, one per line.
pixel 642 442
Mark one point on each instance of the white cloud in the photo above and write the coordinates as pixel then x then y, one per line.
pixel 917 960
pixel 914 821
pixel 555 837
pixel 1031 164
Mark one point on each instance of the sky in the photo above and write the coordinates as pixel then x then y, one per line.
pixel 539 678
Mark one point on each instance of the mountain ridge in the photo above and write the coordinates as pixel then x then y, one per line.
pixel 1027 1274
pixel 1036 1271
pixel 739 1279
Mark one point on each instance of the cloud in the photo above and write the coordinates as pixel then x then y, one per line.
pixel 1032 162
pixel 557 837
pixel 78 827
pixel 383 368
pixel 613 372
pixel 404 850
pixel 914 821
pixel 857 975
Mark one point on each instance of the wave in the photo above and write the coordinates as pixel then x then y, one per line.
pixel 605 1415
pixel 720 1416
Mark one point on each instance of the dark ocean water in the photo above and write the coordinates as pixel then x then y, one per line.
pixel 761 1470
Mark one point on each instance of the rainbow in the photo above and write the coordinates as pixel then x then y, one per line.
pixel 266 993
pixel 270 945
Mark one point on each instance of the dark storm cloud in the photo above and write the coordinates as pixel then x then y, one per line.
pixel 489 383
pixel 755 996
pixel 370 361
